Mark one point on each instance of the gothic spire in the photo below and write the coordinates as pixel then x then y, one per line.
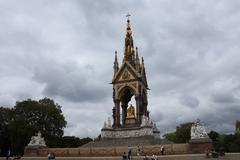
pixel 129 47
pixel 115 66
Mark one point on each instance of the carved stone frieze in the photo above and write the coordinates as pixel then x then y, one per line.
pixel 144 131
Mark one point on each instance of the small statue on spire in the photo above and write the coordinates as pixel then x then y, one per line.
pixel 128 15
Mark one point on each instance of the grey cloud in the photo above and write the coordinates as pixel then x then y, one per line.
pixel 70 82
pixel 65 50
pixel 189 101
pixel 224 97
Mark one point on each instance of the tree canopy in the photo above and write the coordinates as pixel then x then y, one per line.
pixel 237 126
pixel 25 119
pixel 182 133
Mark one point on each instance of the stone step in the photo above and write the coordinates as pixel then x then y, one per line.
pixel 126 142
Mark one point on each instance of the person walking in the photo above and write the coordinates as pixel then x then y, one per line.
pixel 129 152
pixel 162 149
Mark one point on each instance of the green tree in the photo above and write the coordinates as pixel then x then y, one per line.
pixel 232 142
pixel 26 119
pixel 237 126
pixel 44 115
pixel 72 141
pixel 20 133
pixel 214 136
pixel 85 141
pixel 218 140
pixel 182 133
pixel 171 136
pixel 5 117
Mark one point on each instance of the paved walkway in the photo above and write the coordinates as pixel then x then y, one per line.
pixel 229 156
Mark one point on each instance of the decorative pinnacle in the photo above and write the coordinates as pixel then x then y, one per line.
pixel 116 61
pixel 115 66
pixel 137 54
pixel 137 61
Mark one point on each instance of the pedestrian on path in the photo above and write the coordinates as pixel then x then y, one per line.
pixel 129 152
pixel 8 154
pixel 138 151
pixel 162 149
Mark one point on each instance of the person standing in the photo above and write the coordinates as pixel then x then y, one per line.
pixel 8 154
pixel 138 152
pixel 129 152
pixel 162 149
pixel 49 156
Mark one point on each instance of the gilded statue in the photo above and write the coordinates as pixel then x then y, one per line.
pixel 130 112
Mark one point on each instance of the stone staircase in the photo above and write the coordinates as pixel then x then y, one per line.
pixel 126 141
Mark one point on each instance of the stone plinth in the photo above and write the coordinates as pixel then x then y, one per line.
pixel 108 152
pixel 156 134
pixel 131 122
pixel 200 145
pixel 32 151
pixel 127 132
pixel 36 143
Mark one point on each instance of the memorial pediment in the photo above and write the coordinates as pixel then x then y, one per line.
pixel 125 73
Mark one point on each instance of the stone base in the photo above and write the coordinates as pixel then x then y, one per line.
pixel 131 122
pixel 156 134
pixel 200 145
pixel 109 152
pixel 32 151
pixel 127 132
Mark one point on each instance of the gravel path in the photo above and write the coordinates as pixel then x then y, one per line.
pixel 229 156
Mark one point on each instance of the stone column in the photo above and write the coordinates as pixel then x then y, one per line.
pixel 123 115
pixel 117 106
pixel 137 98
pixel 124 112
pixel 114 116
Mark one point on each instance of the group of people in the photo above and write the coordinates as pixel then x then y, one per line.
pixel 211 153
pixel 128 155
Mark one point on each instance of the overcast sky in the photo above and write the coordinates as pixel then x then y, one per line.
pixel 64 50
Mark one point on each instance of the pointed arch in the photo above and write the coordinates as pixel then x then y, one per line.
pixel 123 89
